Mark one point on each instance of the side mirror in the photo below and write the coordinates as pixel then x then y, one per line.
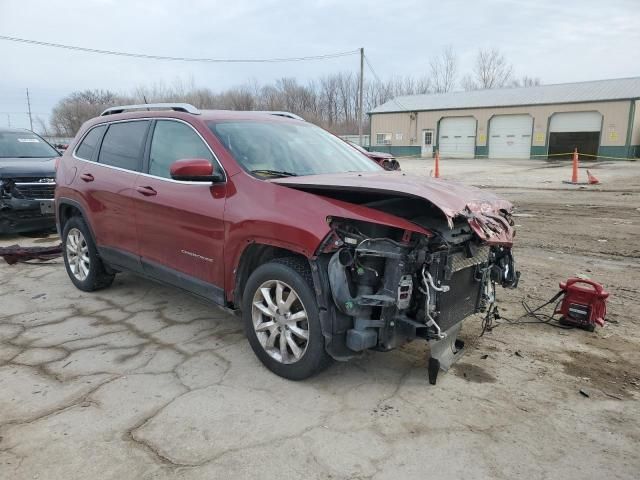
pixel 194 170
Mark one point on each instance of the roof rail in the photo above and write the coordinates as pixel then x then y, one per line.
pixel 177 107
pixel 282 114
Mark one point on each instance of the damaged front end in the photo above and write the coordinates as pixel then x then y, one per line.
pixel 394 286
pixel 26 204
pixel 407 257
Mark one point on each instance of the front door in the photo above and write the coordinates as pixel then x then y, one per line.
pixel 180 224
pixel 427 143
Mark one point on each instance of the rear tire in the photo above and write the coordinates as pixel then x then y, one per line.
pixel 283 330
pixel 84 265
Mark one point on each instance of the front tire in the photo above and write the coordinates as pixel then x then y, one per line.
pixel 84 265
pixel 281 319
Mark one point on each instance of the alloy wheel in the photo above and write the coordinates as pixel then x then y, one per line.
pixel 77 254
pixel 280 321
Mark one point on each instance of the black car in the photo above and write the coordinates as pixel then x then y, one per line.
pixel 27 181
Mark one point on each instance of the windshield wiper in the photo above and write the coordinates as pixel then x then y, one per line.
pixel 279 173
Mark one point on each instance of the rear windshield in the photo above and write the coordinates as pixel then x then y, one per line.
pixel 25 145
pixel 291 148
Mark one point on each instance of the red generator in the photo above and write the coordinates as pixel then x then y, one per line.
pixel 584 304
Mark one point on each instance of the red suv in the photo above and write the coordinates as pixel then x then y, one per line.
pixel 322 252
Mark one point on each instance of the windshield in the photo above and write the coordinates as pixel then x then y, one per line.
pixel 25 145
pixel 358 147
pixel 288 148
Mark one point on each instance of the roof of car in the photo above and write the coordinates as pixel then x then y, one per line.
pixel 202 115
pixel 243 115
pixel 138 111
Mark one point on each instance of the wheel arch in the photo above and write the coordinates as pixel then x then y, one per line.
pixel 251 257
pixel 331 321
pixel 67 208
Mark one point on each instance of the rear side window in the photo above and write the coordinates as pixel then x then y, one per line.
pixel 123 145
pixel 90 143
pixel 174 141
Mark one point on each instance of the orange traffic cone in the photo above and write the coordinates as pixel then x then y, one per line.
pixel 574 173
pixel 437 166
pixel 592 180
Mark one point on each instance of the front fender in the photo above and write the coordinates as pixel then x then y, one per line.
pixel 262 212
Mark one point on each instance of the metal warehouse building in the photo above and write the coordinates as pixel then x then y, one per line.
pixel 599 118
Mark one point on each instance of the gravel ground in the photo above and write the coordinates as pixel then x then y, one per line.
pixel 142 381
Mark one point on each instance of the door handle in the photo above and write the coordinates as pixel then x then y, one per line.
pixel 87 177
pixel 146 191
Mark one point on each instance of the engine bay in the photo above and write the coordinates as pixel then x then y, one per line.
pixel 397 285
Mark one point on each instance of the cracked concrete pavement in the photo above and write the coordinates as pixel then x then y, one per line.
pixel 143 381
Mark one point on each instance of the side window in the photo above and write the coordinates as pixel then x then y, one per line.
pixel 123 145
pixel 90 143
pixel 174 141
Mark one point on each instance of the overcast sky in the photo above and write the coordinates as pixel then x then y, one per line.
pixel 556 40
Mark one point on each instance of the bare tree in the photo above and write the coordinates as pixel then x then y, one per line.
pixel 526 81
pixel 444 70
pixel 491 70
pixel 330 101
pixel 329 93
pixel 72 111
pixel 41 127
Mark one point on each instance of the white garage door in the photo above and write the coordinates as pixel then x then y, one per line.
pixel 510 136
pixel 576 122
pixel 457 137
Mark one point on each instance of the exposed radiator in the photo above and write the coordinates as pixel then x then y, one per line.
pixel 460 261
pixel 461 299
pixel 458 271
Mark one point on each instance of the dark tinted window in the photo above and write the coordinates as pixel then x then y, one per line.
pixel 174 141
pixel 123 145
pixel 24 144
pixel 90 143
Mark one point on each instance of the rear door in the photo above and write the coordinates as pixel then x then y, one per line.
pixel 108 189
pixel 180 224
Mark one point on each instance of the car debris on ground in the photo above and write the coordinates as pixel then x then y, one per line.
pixel 16 253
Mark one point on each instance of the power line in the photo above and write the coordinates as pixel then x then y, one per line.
pixel 375 75
pixel 179 59
pixel 22 113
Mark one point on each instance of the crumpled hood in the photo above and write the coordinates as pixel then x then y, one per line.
pixel 27 167
pixel 481 208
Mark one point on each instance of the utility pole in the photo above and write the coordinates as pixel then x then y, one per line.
pixel 9 120
pixel 29 109
pixel 361 95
